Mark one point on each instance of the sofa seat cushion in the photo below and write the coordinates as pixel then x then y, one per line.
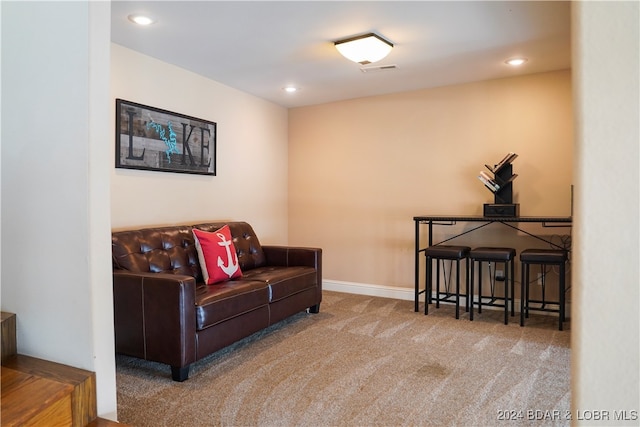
pixel 225 300
pixel 283 281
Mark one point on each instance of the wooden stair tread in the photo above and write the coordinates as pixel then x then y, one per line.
pixel 28 399
pixel 47 369
pixel 81 384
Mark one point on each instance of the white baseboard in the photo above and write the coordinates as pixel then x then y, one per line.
pixel 368 289
pixel 400 293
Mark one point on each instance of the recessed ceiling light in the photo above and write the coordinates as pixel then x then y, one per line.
pixel 290 89
pixel 141 19
pixel 516 61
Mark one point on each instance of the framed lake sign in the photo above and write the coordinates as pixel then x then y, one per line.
pixel 154 139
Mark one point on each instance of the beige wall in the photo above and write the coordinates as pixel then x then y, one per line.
pixel 251 181
pixel 605 336
pixel 360 170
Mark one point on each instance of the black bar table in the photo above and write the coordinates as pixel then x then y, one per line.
pixel 431 220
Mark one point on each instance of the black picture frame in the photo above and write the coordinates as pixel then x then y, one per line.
pixel 154 139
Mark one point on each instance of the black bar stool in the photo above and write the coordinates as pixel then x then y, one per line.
pixel 444 252
pixel 542 257
pixel 506 256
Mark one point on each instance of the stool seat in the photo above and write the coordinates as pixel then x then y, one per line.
pixel 492 254
pixel 447 252
pixel 542 256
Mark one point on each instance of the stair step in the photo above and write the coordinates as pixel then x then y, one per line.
pixel 37 392
pixel 80 386
pixel 29 400
pixel 8 334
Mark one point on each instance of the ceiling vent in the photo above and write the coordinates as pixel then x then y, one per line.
pixel 378 68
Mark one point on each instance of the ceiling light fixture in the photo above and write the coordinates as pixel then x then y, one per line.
pixel 364 49
pixel 290 89
pixel 515 62
pixel 141 19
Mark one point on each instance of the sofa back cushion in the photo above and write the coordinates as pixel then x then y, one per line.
pixel 172 249
pixel 156 250
pixel 248 248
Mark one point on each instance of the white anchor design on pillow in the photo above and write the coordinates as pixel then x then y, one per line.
pixel 232 265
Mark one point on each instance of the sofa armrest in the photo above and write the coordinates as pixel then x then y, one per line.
pixel 154 316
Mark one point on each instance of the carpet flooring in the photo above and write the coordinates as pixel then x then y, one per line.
pixel 365 361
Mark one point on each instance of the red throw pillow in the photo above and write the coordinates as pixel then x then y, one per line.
pixel 217 255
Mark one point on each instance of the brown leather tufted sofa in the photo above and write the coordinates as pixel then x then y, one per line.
pixel 165 313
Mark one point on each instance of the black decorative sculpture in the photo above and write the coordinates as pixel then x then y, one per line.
pixel 501 186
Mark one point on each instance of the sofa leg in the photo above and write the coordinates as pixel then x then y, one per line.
pixel 315 309
pixel 180 373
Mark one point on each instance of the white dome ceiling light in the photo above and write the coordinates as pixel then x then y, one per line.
pixel 364 49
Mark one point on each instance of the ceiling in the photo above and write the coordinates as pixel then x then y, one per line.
pixel 259 47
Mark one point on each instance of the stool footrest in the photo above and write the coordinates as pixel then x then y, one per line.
pixel 493 301
pixel 445 298
pixel 543 306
